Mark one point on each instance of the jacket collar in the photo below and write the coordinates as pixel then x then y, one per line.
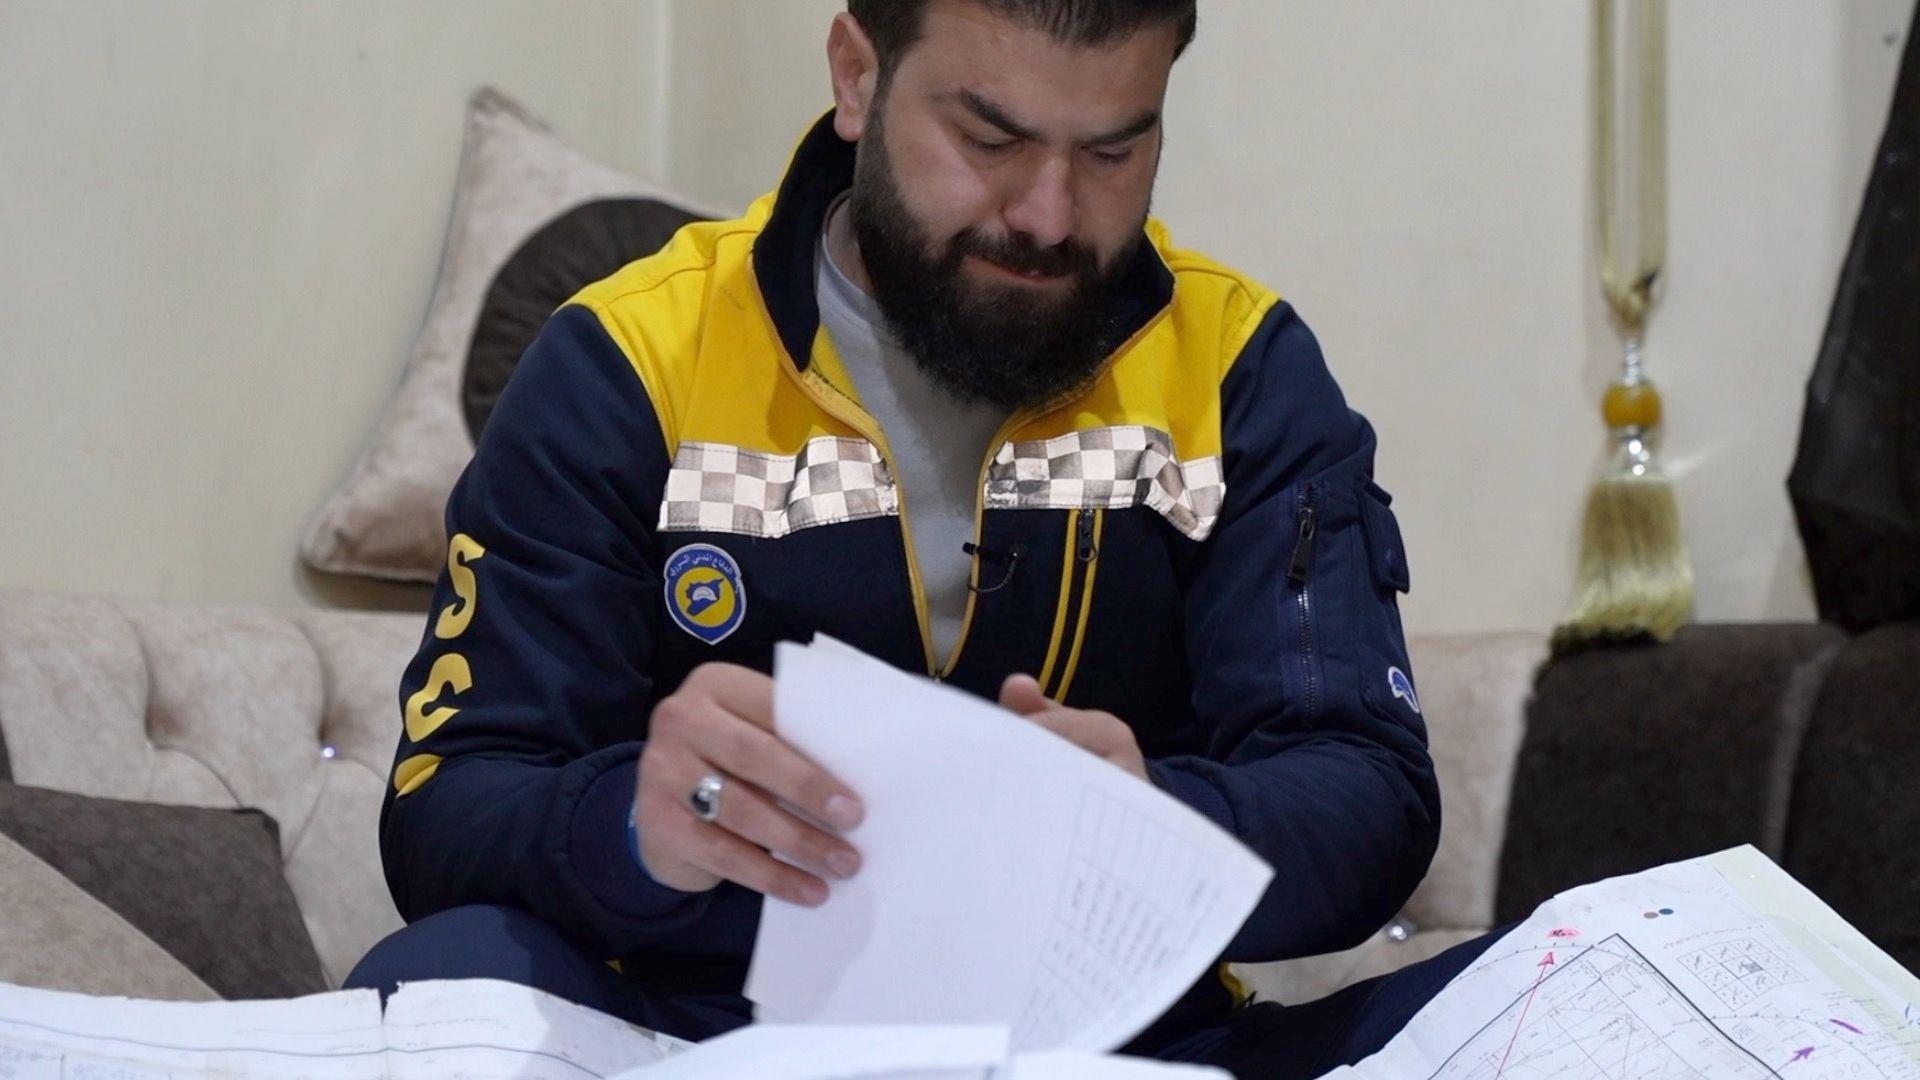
pixel 821 169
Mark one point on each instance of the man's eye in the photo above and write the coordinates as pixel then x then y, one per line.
pixel 986 147
pixel 1113 157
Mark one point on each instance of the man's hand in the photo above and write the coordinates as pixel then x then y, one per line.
pixel 720 722
pixel 1100 733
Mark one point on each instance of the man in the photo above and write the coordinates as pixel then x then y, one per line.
pixel 1142 517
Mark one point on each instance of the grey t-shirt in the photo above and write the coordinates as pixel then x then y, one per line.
pixel 938 442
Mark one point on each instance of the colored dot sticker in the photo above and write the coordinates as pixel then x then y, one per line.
pixel 1666 911
pixel 1651 915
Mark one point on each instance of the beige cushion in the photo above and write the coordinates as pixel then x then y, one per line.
pixel 516 176
pixel 1474 689
pixel 54 935
pixel 293 713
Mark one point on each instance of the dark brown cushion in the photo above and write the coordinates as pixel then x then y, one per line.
pixel 205 885
pixel 1638 755
pixel 1854 837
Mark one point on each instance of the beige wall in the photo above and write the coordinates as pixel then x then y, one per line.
pixel 1413 176
pixel 231 212
pixel 219 224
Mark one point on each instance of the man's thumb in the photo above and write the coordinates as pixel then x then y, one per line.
pixel 1021 693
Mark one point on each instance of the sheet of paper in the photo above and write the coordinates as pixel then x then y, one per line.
pixel 1080 1065
pixel 1720 966
pixel 836 1052
pixel 481 1027
pixel 28 1061
pixel 324 1035
pixel 1008 876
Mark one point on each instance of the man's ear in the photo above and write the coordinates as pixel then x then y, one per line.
pixel 855 70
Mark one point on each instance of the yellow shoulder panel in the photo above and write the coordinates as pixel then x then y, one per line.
pixel 1169 376
pixel 693 325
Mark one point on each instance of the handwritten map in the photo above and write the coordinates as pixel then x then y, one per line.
pixel 1715 967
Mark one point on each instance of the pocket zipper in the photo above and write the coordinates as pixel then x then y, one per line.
pixel 1299 573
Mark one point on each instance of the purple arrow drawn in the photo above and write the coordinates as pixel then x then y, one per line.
pixel 1801 1054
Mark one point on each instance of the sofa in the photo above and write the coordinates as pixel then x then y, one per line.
pixel 1797 739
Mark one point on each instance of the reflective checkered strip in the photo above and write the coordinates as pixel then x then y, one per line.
pixel 1109 468
pixel 718 488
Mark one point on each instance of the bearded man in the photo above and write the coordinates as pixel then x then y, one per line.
pixel 1141 515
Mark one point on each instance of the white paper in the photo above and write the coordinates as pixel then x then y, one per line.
pixel 1721 966
pixel 898 1052
pixel 830 1052
pixel 1007 875
pixel 482 1027
pixel 1079 1065
pixel 27 1061
pixel 324 1035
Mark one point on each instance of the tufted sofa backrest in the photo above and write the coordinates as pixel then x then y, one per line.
pixel 290 712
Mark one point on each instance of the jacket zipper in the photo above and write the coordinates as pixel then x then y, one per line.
pixel 1071 620
pixel 1299 574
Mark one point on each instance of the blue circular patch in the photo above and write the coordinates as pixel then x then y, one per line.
pixel 704 592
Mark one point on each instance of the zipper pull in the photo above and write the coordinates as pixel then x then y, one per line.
pixel 1084 549
pixel 1302 563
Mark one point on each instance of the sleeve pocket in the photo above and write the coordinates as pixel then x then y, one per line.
pixel 1385 553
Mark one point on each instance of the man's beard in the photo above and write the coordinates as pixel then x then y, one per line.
pixel 1008 346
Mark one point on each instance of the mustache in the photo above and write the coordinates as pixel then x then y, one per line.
pixel 1020 253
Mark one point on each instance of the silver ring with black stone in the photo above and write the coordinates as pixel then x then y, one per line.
pixel 704 799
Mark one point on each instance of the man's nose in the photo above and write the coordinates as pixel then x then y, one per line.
pixel 1043 208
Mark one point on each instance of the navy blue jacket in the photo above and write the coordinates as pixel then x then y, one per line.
pixel 679 471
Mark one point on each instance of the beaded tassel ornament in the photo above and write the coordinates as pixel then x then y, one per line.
pixel 1635 580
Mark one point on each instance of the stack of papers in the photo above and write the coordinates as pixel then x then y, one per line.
pixel 1008 876
pixel 470 1027
pixel 478 1028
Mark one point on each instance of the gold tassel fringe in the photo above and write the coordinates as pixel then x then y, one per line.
pixel 1635 578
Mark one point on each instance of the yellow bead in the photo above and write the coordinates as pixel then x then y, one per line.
pixel 1631 406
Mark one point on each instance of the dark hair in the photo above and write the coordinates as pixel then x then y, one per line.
pixel 894 25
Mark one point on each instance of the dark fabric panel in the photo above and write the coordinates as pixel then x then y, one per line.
pixel 574 250
pixel 1854 834
pixel 1637 755
pixel 206 885
pixel 6 766
pixel 1853 480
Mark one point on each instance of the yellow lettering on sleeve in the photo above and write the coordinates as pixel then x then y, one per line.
pixel 413 772
pixel 450 672
pixel 462 551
